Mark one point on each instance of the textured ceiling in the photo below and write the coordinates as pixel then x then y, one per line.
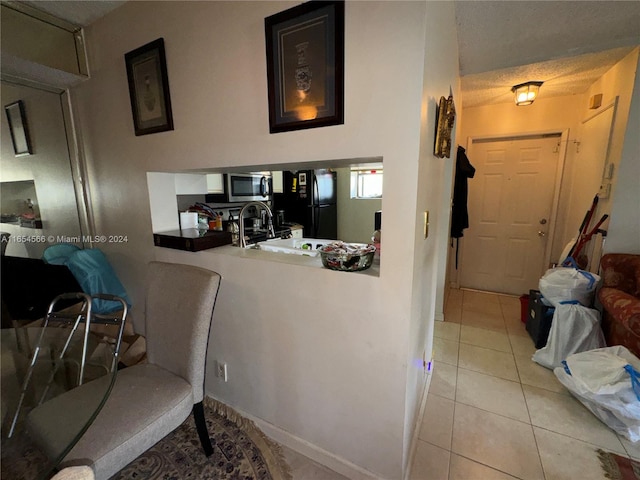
pixel 566 44
pixel 504 43
pixel 493 35
pixel 566 76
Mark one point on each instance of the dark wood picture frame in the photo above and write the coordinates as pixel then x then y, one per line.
pixel 305 66
pixel 18 128
pixel 149 88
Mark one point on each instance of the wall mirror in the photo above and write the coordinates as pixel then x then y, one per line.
pixel 39 205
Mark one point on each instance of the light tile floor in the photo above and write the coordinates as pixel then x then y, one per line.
pixel 494 414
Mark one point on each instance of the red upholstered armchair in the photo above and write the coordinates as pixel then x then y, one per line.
pixel 620 299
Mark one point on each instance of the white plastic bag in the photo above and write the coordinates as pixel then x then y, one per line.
pixel 562 284
pixel 574 329
pixel 603 381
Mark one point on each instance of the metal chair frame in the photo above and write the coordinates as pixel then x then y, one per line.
pixel 84 316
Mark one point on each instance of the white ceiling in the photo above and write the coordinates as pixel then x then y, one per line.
pixel 561 77
pixel 566 44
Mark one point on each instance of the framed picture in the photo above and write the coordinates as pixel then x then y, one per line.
pixel 18 128
pixel 305 66
pixel 149 88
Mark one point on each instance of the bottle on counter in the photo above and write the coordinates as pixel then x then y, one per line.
pixel 203 222
pixel 377 233
pixel 232 226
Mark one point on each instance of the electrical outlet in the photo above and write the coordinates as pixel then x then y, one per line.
pixel 222 370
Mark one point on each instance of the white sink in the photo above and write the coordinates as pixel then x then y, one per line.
pixel 296 246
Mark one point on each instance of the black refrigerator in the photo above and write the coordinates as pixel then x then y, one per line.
pixel 309 198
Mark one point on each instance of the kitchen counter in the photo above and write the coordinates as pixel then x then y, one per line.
pixel 194 240
pixel 301 260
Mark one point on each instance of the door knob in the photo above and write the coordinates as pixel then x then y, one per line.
pixel 542 234
pixel 543 221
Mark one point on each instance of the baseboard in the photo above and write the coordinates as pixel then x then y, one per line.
pixel 416 431
pixel 315 453
pixel 439 316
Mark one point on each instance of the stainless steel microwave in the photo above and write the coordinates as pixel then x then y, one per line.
pixel 244 187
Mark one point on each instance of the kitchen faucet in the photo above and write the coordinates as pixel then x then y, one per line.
pixel 242 243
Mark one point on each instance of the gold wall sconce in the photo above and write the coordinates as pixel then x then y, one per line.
pixel 445 116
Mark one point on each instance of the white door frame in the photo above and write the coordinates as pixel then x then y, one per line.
pixel 564 140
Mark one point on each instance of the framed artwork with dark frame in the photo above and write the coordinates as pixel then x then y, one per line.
pixel 18 128
pixel 305 66
pixel 149 88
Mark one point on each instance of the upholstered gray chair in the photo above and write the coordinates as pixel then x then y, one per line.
pixel 148 401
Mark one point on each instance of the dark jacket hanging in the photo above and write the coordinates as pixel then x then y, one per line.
pixel 459 212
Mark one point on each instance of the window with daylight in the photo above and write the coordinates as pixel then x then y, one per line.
pixel 366 183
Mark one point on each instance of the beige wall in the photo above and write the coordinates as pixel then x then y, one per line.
pixel 624 226
pixel 440 78
pixel 26 37
pixel 624 201
pixel 322 359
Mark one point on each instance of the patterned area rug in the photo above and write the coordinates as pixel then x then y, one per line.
pixel 240 452
pixel 21 459
pixel 617 467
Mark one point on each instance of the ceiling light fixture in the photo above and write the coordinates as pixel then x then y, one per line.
pixel 526 93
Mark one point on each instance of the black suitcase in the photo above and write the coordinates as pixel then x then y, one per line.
pixel 539 319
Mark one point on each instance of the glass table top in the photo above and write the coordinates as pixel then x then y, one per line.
pixel 29 382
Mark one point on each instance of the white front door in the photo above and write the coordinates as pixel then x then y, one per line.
pixel 510 203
